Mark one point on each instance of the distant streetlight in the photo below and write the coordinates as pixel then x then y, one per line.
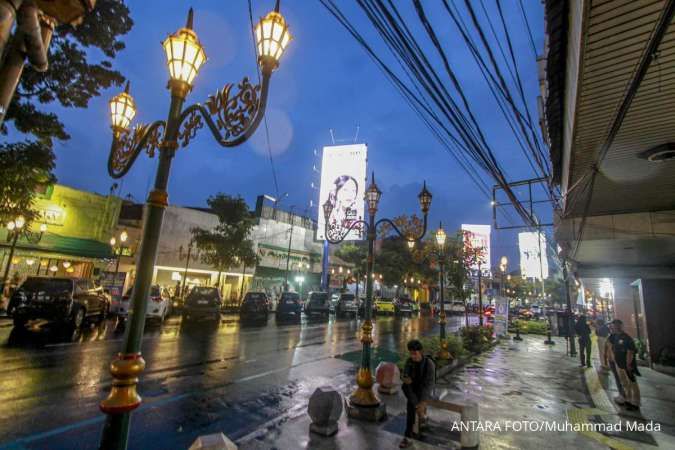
pixel 441 237
pixel 16 228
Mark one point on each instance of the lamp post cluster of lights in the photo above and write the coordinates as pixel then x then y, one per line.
pixel 232 118
pixel 17 228
pixel 363 402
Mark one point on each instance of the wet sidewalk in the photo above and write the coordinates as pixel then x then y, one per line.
pixel 516 385
pixel 657 409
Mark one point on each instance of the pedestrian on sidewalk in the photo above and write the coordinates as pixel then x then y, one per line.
pixel 418 383
pixel 584 332
pixel 602 333
pixel 621 398
pixel 623 353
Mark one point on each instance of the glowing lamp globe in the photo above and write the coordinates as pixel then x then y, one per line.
pixel 122 110
pixel 440 237
pixel 184 53
pixel 271 37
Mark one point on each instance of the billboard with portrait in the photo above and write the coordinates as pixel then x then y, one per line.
pixel 343 182
pixel 532 264
pixel 479 239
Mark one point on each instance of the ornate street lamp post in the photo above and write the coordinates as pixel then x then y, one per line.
pixel 117 250
pixel 443 353
pixel 232 119
pixel 363 403
pixel 16 229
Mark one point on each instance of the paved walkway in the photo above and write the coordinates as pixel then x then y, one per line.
pixel 515 384
pixel 658 409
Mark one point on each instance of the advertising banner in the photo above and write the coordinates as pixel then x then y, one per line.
pixel 533 261
pixel 343 183
pixel 479 238
pixel 501 324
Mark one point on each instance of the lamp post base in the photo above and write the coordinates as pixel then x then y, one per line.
pixel 369 413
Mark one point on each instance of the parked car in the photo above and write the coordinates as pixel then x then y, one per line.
pixel 157 307
pixel 289 307
pixel 457 307
pixel 203 302
pixel 385 306
pixel 317 304
pixel 69 301
pixel 346 305
pixel 403 306
pixel 254 307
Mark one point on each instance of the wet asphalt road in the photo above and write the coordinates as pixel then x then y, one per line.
pixel 199 378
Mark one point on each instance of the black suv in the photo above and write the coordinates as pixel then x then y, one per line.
pixel 317 304
pixel 254 307
pixel 289 307
pixel 203 302
pixel 65 300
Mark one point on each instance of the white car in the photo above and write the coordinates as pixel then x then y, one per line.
pixel 457 307
pixel 158 307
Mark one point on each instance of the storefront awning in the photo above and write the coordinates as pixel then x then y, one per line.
pixel 71 246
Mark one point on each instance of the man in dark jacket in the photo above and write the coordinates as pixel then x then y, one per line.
pixel 418 382
pixel 584 332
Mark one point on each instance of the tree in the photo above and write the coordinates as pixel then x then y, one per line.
pixel 25 166
pixel 229 243
pixel 354 253
pixel 74 77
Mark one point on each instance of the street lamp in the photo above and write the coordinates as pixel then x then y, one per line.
pixel 363 403
pixel 503 264
pixel 16 228
pixel 232 115
pixel 443 353
pixel 117 250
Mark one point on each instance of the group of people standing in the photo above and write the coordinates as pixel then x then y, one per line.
pixel 617 352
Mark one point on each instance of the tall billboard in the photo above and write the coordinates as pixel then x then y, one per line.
pixel 479 239
pixel 533 261
pixel 343 183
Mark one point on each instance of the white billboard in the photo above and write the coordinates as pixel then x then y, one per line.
pixel 533 261
pixel 343 183
pixel 479 240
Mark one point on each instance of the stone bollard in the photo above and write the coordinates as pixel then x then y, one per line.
pixel 469 438
pixel 216 441
pixel 325 409
pixel 388 377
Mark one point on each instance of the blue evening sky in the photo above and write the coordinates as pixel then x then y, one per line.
pixel 325 81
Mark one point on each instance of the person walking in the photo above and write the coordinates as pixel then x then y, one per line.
pixel 584 332
pixel 621 398
pixel 418 383
pixel 623 353
pixel 602 333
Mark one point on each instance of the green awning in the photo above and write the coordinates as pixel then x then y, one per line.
pixel 54 243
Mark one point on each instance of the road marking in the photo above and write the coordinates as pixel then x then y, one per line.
pixel 580 416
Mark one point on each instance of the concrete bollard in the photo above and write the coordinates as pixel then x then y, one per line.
pixel 388 378
pixel 325 409
pixel 470 437
pixel 216 441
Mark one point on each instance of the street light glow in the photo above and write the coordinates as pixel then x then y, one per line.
pixel 124 236
pixel 20 222
pixel 440 236
pixel 43 227
pixel 272 37
pixel 184 53
pixel 122 110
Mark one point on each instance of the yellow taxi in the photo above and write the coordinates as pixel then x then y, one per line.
pixel 384 306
